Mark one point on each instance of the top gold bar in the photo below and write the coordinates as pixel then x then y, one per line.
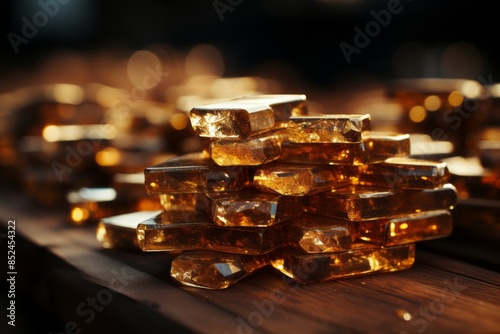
pixel 328 128
pixel 242 117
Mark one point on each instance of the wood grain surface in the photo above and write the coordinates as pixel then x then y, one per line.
pixel 437 295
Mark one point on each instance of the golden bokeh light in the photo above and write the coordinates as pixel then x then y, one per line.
pixel 456 98
pixel 51 133
pixel 432 103
pixel 110 156
pixel 144 69
pixel 418 114
pixel 179 121
pixel 79 215
pixel 65 93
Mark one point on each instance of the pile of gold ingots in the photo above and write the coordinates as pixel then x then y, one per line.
pixel 315 197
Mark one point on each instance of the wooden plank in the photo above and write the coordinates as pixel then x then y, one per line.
pixel 440 293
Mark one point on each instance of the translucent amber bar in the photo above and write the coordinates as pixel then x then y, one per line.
pixel 324 154
pixel 405 173
pixel 252 151
pixel 366 203
pixel 405 229
pixel 194 173
pixel 383 145
pixel 167 233
pixel 213 270
pixel 377 146
pixel 297 180
pixel 328 128
pixel 252 208
pixel 310 268
pixel 120 231
pixel 317 234
pixel 241 117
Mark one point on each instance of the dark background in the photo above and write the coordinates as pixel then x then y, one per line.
pixel 303 36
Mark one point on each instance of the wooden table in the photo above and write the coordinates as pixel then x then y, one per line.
pixel 88 289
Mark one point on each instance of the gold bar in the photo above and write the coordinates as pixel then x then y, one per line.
pixel 383 145
pixel 194 173
pixel 252 151
pixel 295 180
pixel 405 173
pixel 213 270
pixel 310 268
pixel 368 203
pixel 252 208
pixel 242 117
pixel 328 128
pixel 316 234
pixel 324 154
pixel 120 231
pixel 405 229
pixel 178 231
pixel 376 147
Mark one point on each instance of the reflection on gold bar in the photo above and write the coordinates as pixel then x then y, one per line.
pixel 317 234
pixel 377 146
pixel 405 229
pixel 242 117
pixel 405 173
pixel 252 151
pixel 120 231
pixel 193 173
pixel 328 128
pixel 294 180
pixel 367 203
pixel 213 270
pixel 252 208
pixel 171 231
pixel 310 268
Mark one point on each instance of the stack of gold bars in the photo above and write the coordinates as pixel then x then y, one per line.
pixel 315 197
